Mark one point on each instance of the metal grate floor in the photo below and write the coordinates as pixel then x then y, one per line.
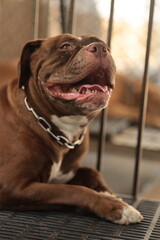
pixel 56 225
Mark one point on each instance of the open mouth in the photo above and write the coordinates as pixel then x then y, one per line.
pixel 90 86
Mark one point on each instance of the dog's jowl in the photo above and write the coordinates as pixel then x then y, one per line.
pixel 64 82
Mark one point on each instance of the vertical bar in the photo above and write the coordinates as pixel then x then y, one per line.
pixel 36 20
pixel 110 26
pixel 63 16
pixel 1 17
pixel 101 143
pixel 143 106
pixel 43 18
pixel 71 14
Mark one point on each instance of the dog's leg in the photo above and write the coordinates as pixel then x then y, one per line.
pixel 43 196
pixel 91 178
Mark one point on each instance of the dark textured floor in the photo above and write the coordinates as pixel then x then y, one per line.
pixel 47 225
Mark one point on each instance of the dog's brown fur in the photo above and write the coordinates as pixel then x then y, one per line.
pixel 27 152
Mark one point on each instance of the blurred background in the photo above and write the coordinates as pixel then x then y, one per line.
pixel 23 20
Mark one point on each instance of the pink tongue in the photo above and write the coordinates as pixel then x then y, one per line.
pixel 93 87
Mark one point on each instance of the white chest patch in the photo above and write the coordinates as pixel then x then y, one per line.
pixel 55 170
pixel 56 176
pixel 69 125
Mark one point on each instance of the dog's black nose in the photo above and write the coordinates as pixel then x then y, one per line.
pixel 98 49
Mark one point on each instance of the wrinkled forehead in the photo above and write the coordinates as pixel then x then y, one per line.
pixel 87 39
pixel 55 42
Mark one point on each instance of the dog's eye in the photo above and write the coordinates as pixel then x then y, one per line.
pixel 66 46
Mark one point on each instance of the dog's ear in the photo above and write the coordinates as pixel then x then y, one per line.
pixel 24 65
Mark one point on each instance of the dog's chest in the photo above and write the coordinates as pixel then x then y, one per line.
pixel 57 176
pixel 70 125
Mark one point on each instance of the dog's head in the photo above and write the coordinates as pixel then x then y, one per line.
pixel 70 70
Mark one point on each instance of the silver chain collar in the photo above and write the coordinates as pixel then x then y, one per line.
pixel 47 127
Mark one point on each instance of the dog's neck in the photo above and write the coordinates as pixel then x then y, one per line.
pixel 71 126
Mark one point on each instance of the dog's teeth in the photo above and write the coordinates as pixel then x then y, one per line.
pixel 87 90
pixel 91 91
pixel 73 90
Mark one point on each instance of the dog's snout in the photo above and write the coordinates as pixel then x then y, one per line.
pixel 97 49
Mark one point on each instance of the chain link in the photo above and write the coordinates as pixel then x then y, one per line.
pixel 47 127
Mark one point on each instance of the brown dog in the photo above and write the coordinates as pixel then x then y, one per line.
pixel 64 82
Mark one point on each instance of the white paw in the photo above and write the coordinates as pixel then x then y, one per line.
pixel 129 215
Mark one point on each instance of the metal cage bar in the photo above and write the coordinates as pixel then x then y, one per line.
pixel 36 20
pixel 63 16
pixel 71 15
pixel 144 99
pixel 102 131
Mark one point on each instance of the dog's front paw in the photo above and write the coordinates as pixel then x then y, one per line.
pixel 116 210
pixel 129 215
